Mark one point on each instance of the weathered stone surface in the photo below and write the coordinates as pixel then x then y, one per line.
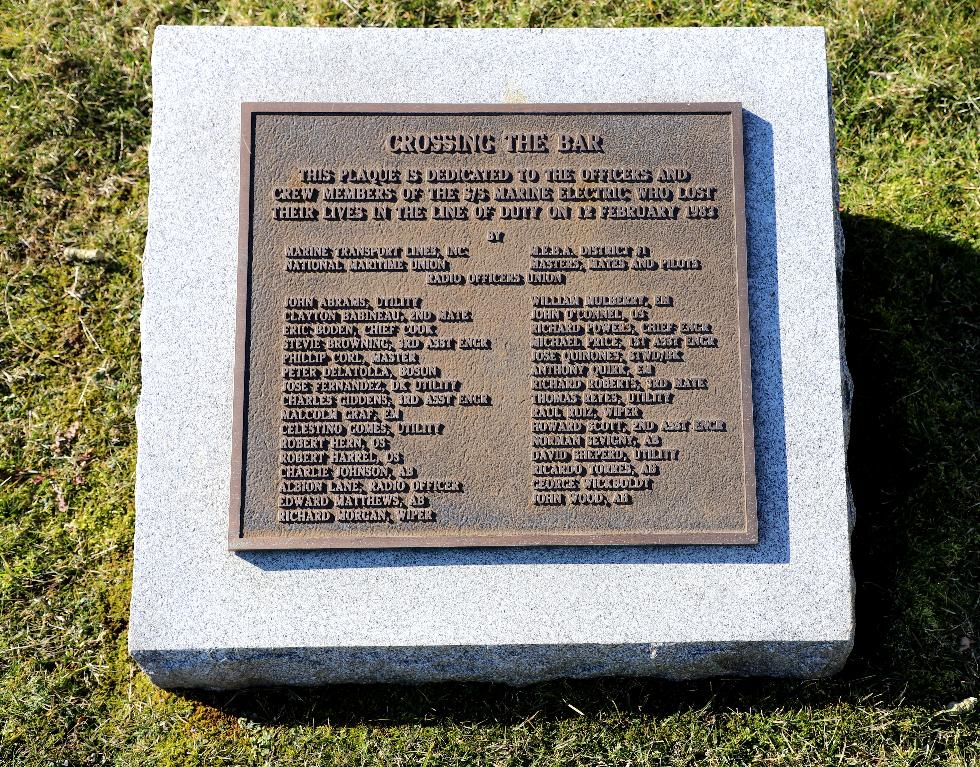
pixel 204 616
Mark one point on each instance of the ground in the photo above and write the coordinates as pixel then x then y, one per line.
pixel 74 129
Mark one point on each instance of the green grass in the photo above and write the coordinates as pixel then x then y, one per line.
pixel 74 130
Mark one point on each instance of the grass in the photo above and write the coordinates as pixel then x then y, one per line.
pixel 74 130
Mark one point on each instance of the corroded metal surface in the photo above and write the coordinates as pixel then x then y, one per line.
pixel 492 325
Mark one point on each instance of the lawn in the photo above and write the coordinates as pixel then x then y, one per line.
pixel 75 109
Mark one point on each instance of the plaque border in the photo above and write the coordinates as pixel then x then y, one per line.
pixel 237 541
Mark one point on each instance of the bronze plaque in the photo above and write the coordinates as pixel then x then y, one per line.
pixel 492 325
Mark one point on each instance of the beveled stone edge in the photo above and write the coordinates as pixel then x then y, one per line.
pixel 241 668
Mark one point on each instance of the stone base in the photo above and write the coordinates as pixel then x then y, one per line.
pixel 205 617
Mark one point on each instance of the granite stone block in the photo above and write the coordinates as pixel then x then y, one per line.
pixel 203 616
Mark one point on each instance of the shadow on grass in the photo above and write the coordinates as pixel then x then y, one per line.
pixel 910 307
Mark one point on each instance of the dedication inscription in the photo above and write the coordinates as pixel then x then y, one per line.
pixel 492 325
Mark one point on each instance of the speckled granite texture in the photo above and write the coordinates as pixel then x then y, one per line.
pixel 205 617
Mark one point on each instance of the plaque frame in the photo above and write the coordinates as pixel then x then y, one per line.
pixel 237 540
